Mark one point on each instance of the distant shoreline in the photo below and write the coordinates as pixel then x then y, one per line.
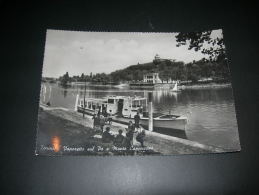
pixel 212 85
pixel 206 86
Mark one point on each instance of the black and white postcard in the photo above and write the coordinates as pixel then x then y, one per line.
pixel 132 93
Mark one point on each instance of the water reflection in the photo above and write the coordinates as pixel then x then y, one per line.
pixel 175 133
pixel 65 93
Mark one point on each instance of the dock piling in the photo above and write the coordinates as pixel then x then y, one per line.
pixel 76 104
pixel 150 112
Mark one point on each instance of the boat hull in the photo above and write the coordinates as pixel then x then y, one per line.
pixel 175 124
pixel 86 111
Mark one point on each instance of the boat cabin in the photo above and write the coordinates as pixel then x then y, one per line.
pixel 126 106
pixel 93 104
pixel 115 105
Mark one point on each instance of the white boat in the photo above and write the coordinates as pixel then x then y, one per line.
pixel 122 85
pixel 124 108
pixel 175 88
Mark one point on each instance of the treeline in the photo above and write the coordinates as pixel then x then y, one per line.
pixel 175 70
pixel 94 78
pixel 167 69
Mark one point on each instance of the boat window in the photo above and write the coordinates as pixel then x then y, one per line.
pixel 110 101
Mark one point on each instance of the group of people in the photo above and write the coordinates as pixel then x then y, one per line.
pixel 100 119
pixel 135 128
pixel 123 141
pixel 120 140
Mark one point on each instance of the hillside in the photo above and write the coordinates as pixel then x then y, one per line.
pixel 167 69
pixel 175 70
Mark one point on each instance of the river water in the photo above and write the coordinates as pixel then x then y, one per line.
pixel 210 112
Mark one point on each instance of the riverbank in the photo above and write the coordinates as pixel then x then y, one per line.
pixel 156 86
pixel 182 86
pixel 77 137
pixel 205 86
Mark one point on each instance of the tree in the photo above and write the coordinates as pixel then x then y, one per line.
pixel 204 42
pixel 65 79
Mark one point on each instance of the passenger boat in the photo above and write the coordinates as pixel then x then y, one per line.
pixel 122 109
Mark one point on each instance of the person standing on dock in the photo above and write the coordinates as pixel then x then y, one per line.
pixel 130 134
pixel 136 120
pixel 126 142
pixel 110 117
pixel 95 121
pixel 105 114
pixel 102 122
pixel 131 126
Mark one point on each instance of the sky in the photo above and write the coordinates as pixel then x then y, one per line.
pixel 78 52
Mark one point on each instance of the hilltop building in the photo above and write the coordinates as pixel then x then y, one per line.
pixel 158 59
pixel 152 79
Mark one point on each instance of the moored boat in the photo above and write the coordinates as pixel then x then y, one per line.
pixel 122 109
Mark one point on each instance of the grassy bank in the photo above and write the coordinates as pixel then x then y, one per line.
pixel 77 137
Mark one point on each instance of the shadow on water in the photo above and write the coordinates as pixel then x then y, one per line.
pixel 172 132
pixel 65 92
